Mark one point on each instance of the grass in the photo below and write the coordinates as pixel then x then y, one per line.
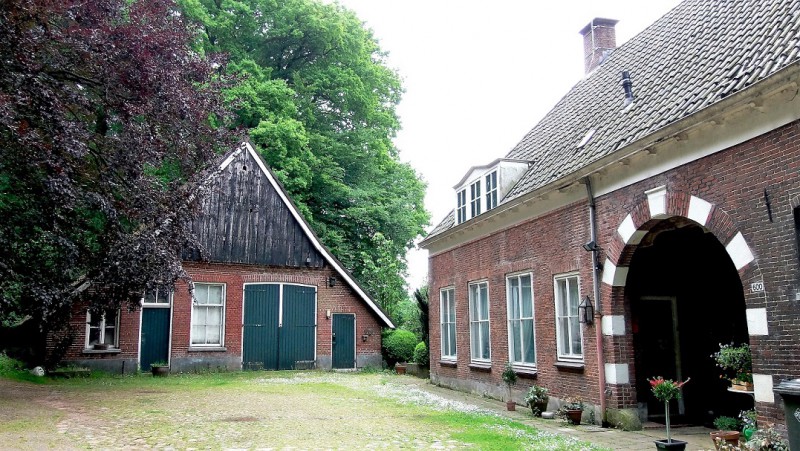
pixel 307 410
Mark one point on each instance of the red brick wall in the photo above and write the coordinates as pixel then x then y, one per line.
pixel 733 180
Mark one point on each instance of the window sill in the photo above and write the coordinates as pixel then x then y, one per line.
pixel 448 363
pixel 480 366
pixel 525 371
pixel 575 367
pixel 102 351
pixel 218 349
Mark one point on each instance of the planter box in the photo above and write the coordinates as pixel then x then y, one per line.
pixel 675 445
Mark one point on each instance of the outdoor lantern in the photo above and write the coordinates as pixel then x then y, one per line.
pixel 331 281
pixel 586 311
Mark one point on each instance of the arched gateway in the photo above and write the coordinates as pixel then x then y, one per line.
pixel 679 276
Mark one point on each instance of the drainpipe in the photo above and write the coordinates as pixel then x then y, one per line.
pixel 598 314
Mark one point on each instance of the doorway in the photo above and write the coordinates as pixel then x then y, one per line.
pixel 343 340
pixel 686 298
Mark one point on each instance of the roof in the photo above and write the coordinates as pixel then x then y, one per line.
pixel 324 251
pixel 698 54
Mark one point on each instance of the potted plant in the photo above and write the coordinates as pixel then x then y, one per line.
pixel 571 410
pixel 737 365
pixel 749 424
pixel 510 379
pixel 727 431
pixel 665 390
pixel 159 368
pixel 537 398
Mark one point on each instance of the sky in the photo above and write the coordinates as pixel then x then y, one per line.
pixel 479 74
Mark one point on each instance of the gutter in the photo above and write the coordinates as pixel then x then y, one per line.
pixel 598 313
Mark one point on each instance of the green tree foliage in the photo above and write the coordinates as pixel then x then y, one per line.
pixel 105 113
pixel 421 355
pixel 319 102
pixel 398 346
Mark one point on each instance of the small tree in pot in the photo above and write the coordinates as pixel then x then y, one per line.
pixel 510 379
pixel 537 398
pixel 665 390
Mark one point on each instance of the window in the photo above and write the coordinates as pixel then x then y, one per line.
pixel 447 319
pixel 157 297
pixel 208 307
pixel 479 321
pixel 521 336
pixel 102 331
pixel 461 208
pixel 568 328
pixel 491 190
pixel 475 198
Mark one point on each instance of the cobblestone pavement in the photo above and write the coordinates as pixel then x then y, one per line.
pixel 696 437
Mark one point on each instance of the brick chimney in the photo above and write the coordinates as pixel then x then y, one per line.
pixel 599 39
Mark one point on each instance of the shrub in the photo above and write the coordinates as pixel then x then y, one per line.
pixel 398 346
pixel 421 354
pixel 726 423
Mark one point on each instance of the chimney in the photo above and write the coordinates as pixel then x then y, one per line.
pixel 599 39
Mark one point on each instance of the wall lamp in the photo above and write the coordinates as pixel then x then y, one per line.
pixel 331 281
pixel 591 246
pixel 586 311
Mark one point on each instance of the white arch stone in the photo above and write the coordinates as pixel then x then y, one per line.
pixel 739 251
pixel 699 210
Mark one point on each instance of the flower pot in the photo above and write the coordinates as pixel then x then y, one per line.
pixel 400 368
pixel 675 445
pixel 729 437
pixel 738 385
pixel 511 405
pixel 159 371
pixel 574 416
pixel 538 407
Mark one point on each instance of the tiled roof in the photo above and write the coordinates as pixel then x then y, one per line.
pixel 696 55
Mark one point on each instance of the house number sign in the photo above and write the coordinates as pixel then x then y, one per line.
pixel 757 287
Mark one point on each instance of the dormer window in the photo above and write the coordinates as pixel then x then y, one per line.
pixel 461 208
pixel 475 198
pixel 491 190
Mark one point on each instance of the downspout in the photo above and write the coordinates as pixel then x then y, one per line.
pixel 598 314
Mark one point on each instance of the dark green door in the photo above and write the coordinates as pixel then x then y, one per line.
pixel 299 328
pixel 344 341
pixel 155 336
pixel 260 328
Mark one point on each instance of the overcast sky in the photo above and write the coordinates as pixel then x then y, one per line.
pixel 479 74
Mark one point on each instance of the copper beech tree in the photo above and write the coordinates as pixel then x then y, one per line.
pixel 109 125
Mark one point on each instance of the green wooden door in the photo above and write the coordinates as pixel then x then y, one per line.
pixel 344 341
pixel 260 328
pixel 155 337
pixel 299 327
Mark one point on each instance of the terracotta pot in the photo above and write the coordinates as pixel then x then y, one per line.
pixel 574 416
pixel 159 371
pixel 511 405
pixel 729 437
pixel 741 386
pixel 676 445
pixel 400 368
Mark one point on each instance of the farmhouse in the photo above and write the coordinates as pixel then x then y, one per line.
pixel 271 295
pixel 651 215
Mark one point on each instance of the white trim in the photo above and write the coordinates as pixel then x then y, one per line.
pixel 448 357
pixel 762 388
pixel 562 357
pixel 222 319
pixel 739 251
pixel 613 325
pixel 307 230
pixel 657 201
pixel 102 326
pixel 617 373
pixel 613 275
pixel 488 320
pixel 532 318
pixel 355 337
pixel 169 341
pixel 626 229
pixel 757 321
pixel 699 210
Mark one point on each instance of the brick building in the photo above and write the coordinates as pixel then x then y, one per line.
pixel 651 215
pixel 271 295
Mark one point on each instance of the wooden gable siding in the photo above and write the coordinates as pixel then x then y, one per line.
pixel 244 220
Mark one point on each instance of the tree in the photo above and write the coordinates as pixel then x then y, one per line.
pixel 107 128
pixel 319 102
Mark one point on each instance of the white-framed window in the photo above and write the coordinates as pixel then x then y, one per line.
pixel 491 190
pixel 102 330
pixel 447 321
pixel 157 297
pixel 480 347
pixel 521 329
pixel 568 327
pixel 208 314
pixel 461 206
pixel 475 198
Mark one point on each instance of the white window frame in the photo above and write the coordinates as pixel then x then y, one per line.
pixel 475 198
pixel 461 206
pixel 511 299
pixel 222 316
pixel 476 355
pixel 102 326
pixel 447 311
pixel 572 320
pixel 491 190
pixel 157 291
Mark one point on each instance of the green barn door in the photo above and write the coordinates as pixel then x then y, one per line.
pixel 155 337
pixel 344 341
pixel 260 328
pixel 299 329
